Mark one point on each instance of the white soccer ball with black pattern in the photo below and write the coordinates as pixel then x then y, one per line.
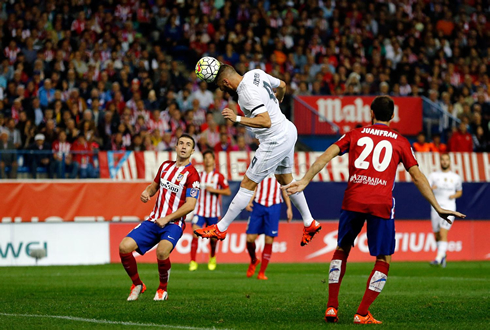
pixel 207 68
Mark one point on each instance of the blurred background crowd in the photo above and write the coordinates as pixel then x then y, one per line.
pixel 81 76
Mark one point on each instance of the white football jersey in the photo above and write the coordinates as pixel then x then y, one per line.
pixel 446 183
pixel 255 96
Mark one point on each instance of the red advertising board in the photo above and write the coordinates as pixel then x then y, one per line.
pixel 415 242
pixel 66 200
pixel 348 111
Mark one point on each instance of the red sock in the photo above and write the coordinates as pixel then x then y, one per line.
pixel 164 272
pixel 251 252
pixel 129 263
pixel 212 245
pixel 375 284
pixel 194 244
pixel 266 256
pixel 336 273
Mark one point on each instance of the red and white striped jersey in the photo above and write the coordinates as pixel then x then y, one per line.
pixel 209 205
pixel 268 192
pixel 176 183
pixel 61 148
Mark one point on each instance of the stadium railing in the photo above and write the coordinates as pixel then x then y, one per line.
pixel 24 160
pixel 314 114
pixel 436 119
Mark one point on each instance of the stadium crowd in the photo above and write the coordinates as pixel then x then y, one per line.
pixel 80 76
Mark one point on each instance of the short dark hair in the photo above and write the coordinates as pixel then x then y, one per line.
pixel 383 108
pixel 223 71
pixel 208 151
pixel 189 137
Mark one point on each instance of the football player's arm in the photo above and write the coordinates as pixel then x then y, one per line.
pixel 423 186
pixel 262 120
pixel 186 208
pixel 149 192
pixel 280 91
pixel 224 192
pixel 457 195
pixel 318 165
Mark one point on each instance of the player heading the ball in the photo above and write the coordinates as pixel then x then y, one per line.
pixel 277 137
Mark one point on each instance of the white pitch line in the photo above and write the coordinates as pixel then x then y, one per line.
pixel 81 319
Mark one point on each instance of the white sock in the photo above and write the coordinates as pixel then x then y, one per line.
pixel 239 202
pixel 441 250
pixel 299 201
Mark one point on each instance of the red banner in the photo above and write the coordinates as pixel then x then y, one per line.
pixel 348 111
pixel 415 242
pixel 472 167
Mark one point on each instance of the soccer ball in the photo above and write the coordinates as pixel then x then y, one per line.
pixel 207 68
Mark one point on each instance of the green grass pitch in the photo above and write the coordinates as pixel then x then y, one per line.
pixel 94 297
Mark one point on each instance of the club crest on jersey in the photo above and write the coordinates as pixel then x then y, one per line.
pixel 180 177
pixel 194 192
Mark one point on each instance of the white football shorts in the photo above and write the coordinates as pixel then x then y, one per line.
pixel 438 222
pixel 276 155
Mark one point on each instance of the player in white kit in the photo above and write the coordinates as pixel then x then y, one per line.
pixel 447 187
pixel 277 137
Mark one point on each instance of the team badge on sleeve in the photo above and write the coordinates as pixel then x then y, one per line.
pixel 194 192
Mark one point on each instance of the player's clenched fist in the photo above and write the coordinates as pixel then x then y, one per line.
pixel 145 196
pixel 229 114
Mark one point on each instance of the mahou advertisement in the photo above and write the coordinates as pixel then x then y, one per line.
pixel 349 111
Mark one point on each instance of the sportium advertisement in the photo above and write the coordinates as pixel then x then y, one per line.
pixel 414 242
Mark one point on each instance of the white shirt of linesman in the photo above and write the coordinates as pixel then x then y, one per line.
pixel 447 184
pixel 255 96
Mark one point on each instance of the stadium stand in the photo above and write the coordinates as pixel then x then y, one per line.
pixel 119 75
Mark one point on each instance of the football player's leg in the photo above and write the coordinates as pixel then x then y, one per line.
pixel 169 236
pixel 381 242
pixel 297 199
pixel 239 202
pixel 350 224
pixel 213 242
pixel 443 241
pixel 126 248
pixel 197 223
pixel 142 238
pixel 254 228
pixel 163 252
pixel 271 228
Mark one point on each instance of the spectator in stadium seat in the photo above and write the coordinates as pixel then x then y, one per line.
pixel 223 144
pixel 421 144
pixel 461 140
pixel 46 93
pixel 82 156
pixel 41 156
pixel 61 153
pixel 14 133
pixel 8 156
pixel 204 96
pixel 480 141
pixel 436 145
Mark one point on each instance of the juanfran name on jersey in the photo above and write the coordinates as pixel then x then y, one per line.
pixel 471 167
pixel 379 132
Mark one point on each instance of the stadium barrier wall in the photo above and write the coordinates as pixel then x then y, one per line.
pixel 415 242
pixel 130 165
pixel 63 243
